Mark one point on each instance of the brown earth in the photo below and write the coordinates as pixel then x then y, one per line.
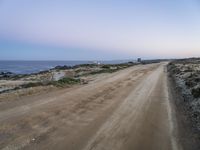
pixel 126 110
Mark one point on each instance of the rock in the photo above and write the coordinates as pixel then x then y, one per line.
pixel 58 75
pixel 63 67
pixel 6 75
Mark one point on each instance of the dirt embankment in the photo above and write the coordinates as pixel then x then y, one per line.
pixel 184 78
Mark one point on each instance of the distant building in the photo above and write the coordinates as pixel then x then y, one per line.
pixel 139 60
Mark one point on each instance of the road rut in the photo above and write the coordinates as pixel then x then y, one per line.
pixel 128 110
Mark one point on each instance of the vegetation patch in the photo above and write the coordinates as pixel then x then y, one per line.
pixel 66 81
pixel 46 78
pixel 106 66
pixel 33 84
pixel 103 71
pixel 186 76
pixel 61 82
pixel 111 68
pixel 196 92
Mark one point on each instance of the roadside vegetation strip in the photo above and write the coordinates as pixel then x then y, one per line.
pixel 45 78
pixel 66 81
pixel 60 83
pixel 186 76
pixel 110 68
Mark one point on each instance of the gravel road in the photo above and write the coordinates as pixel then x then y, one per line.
pixel 126 110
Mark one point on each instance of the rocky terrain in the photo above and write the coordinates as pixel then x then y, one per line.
pixel 186 76
pixel 60 76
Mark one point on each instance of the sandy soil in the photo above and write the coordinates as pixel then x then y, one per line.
pixel 126 110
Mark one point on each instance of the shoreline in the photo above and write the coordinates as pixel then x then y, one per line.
pixel 59 76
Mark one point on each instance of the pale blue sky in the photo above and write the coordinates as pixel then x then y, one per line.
pixel 100 29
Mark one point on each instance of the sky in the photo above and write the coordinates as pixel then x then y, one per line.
pixel 99 29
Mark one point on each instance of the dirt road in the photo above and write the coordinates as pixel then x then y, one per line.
pixel 126 110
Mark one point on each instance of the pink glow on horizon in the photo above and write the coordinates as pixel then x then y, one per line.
pixel 164 29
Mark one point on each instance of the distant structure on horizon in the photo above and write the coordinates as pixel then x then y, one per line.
pixel 139 60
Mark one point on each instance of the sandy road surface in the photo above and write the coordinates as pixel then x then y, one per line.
pixel 126 110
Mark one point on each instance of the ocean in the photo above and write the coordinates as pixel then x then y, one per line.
pixel 27 67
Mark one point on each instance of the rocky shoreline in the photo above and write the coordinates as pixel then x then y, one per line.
pixel 60 76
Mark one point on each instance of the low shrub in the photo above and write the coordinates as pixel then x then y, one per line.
pixel 190 83
pixel 65 81
pixel 32 84
pixel 106 66
pixel 61 82
pixel 196 92
pixel 103 71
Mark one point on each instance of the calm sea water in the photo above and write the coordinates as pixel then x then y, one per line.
pixel 27 67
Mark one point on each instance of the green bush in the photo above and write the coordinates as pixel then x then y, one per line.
pixel 66 80
pixel 103 71
pixel 106 66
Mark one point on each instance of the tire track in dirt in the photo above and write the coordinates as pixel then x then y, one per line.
pixel 108 113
